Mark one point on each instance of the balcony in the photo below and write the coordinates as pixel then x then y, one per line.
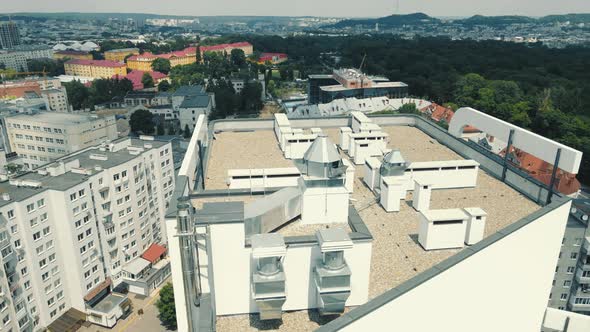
pixel 578 304
pixel 583 276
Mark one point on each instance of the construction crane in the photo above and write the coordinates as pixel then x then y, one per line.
pixel 3 75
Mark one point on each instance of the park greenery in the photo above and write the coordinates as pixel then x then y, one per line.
pixel 101 91
pixel 533 86
pixel 142 122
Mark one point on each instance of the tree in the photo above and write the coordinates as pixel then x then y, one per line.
pixel 13 168
pixel 166 307
pixel 408 109
pixel 160 129
pixel 141 121
pixel 77 94
pixel 187 132
pixel 164 85
pixel 161 65
pixel 238 57
pixel 199 58
pixel 147 80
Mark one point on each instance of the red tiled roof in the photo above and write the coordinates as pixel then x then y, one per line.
pixel 137 75
pixel 98 63
pixel 154 252
pixel 189 51
pixel 541 170
pixel 224 46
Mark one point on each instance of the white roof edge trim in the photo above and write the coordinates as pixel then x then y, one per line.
pixel 537 145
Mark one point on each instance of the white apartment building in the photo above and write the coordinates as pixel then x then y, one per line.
pixel 46 136
pixel 261 241
pixel 17 58
pixel 67 229
pixel 57 99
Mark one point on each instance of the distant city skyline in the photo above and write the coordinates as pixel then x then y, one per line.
pixel 328 8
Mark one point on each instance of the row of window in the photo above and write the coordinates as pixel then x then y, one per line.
pixel 36 128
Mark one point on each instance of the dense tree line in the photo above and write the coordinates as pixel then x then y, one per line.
pixel 101 90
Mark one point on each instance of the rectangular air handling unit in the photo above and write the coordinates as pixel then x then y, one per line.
pixel 268 277
pixel 331 273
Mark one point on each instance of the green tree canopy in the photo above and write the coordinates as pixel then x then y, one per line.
pixel 147 80
pixel 164 85
pixel 141 121
pixel 238 57
pixel 161 65
pixel 166 307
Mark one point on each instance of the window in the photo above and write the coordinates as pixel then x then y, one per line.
pixel 73 197
pixel 24 271
pixel 43 217
pixel 82 249
pixel 51 257
pixel 36 236
pixel 50 302
pixel 41 203
pixel 6 251
pixel 17 243
pixel 43 263
pixel 46 231
pixel 78 223
pixel 45 276
pixel 574 255
pixel 571 269
pixel 81 193
pixel 88 231
pixel 30 208
pixel 10 214
pixel 49 244
pixel 567 283
pixel 33 222
pixel 80 236
pixel 563 296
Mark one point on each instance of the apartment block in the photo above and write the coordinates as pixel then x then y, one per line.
pixel 16 58
pixel 57 99
pixel 68 230
pixel 120 54
pixel 9 35
pixel 95 68
pixel 43 137
pixel 571 285
pixel 363 223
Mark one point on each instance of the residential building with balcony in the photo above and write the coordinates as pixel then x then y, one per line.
pixel 67 229
pixel 45 136
pixel 571 285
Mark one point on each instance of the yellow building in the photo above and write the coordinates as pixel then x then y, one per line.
pixel 71 55
pixel 95 68
pixel 144 61
pixel 120 54
pixel 227 48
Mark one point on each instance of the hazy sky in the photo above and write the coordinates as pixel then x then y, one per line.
pixel 305 7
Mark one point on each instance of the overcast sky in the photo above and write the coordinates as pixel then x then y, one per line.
pixel 304 7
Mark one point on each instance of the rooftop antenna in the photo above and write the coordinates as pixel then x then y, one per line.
pixel 362 62
pixel 396 12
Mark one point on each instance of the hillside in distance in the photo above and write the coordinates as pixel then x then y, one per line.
pixel 388 21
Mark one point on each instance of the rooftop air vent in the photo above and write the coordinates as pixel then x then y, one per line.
pixel 394 164
pixel 331 273
pixel 322 159
pixel 5 196
pixel 97 156
pixel 268 278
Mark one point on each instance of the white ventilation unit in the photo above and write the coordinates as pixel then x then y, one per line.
pixel 268 277
pixel 442 229
pixel 392 192
pixel 476 224
pixel 421 198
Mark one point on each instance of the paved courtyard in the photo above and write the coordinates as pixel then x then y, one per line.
pixel 147 322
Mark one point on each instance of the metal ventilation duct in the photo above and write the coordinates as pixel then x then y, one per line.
pixel 322 159
pixel 332 274
pixel 393 164
pixel 271 212
pixel 268 277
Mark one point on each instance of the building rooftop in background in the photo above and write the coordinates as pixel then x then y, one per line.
pixel 136 77
pixel 245 46
pixel 97 63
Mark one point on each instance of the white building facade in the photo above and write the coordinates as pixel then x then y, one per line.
pixel 67 229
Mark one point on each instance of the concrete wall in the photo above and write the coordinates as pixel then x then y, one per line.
pixel 191 157
pixel 472 295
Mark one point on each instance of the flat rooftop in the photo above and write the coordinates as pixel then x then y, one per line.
pixel 397 256
pixel 242 150
pixel 109 303
pixel 57 118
